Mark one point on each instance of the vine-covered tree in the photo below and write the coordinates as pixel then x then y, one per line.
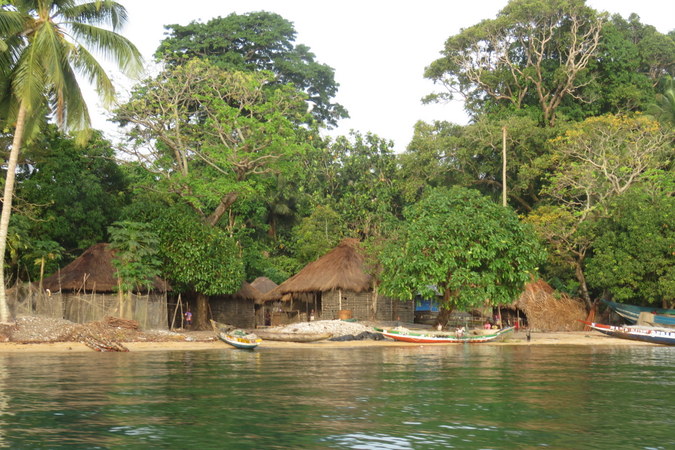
pixel 257 41
pixel 472 250
pixel 47 44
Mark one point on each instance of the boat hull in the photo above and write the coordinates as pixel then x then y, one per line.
pixel 659 316
pixel 654 335
pixel 292 337
pixel 239 341
pixel 421 338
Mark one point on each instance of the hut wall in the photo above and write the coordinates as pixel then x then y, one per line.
pixel 233 311
pixel 392 309
pixel 150 311
pixel 363 307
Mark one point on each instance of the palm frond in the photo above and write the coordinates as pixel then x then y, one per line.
pixel 76 112
pixel 11 23
pixel 102 12
pixel 111 45
pixel 29 79
pixel 85 63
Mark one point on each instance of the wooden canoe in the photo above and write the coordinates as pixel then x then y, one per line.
pixel 654 335
pixel 291 337
pixel 443 338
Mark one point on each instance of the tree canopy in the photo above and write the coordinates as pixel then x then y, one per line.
pixel 257 42
pixel 472 250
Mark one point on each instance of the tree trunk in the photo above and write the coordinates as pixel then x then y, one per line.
pixel 7 206
pixel 582 285
pixel 201 317
pixel 222 208
pixel 445 311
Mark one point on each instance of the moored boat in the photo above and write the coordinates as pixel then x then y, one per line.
pixel 292 337
pixel 654 335
pixel 637 314
pixel 444 338
pixel 240 339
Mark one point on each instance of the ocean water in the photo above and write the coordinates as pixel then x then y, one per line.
pixel 412 397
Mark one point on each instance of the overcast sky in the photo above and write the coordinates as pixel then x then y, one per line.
pixel 378 52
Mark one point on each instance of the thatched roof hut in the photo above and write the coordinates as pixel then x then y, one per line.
pixel 548 312
pixel 341 268
pixel 92 271
pixel 237 309
pixel 337 286
pixel 263 284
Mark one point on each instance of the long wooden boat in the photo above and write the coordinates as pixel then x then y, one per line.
pixel 632 313
pixel 292 337
pixel 240 339
pixel 443 338
pixel 655 335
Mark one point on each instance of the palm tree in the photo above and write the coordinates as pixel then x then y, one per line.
pixel 663 108
pixel 46 42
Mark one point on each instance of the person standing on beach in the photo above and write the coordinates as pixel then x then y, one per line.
pixel 188 318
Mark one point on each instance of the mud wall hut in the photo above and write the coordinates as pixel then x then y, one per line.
pixel 86 290
pixel 336 286
pixel 238 309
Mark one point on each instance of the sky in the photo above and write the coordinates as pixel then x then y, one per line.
pixel 378 52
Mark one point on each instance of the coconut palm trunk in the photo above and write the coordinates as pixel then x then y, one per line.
pixel 7 208
pixel 45 46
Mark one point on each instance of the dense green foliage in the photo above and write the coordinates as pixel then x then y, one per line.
pixel 136 262
pixel 474 251
pixel 633 253
pixel 225 166
pixel 70 194
pixel 257 42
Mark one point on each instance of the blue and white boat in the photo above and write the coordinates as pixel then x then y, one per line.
pixel 657 316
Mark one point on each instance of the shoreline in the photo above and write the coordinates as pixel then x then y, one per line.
pixel 568 338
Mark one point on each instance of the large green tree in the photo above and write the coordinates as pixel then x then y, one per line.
pixel 632 258
pixel 212 140
pixel 472 250
pixel 71 193
pixel 257 41
pixel 209 134
pixel 596 161
pixel 47 44
pixel 534 54
pixel 445 154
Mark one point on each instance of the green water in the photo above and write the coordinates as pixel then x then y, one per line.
pixel 394 398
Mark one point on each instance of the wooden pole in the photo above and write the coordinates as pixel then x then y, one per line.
pixel 503 166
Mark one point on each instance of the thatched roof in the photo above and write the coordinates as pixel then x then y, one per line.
pixel 341 268
pixel 548 312
pixel 91 271
pixel 263 284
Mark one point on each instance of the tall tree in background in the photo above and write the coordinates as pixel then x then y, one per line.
pixel 47 44
pixel 211 139
pixel 257 41
pixel 535 53
pixel 596 161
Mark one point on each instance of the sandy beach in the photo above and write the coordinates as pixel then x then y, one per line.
pixel 196 341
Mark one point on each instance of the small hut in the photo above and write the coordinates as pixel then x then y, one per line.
pixel 86 290
pixel 336 286
pixel 263 284
pixel 539 309
pixel 238 309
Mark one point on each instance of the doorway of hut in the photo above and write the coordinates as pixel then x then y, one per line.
pixel 510 317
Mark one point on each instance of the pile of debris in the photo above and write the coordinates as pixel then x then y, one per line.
pixel 104 335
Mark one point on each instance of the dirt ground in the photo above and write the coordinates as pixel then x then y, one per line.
pixel 37 334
